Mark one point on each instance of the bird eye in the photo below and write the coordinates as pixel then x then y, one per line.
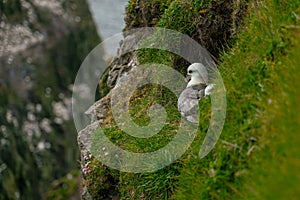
pixel 190 71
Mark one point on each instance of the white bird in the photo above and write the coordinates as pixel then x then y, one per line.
pixel 196 89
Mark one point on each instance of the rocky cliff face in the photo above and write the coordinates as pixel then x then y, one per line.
pixel 42 44
pixel 262 106
pixel 212 25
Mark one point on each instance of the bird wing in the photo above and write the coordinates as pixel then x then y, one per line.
pixel 188 102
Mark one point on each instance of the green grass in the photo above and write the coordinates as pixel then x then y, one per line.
pixel 158 185
pixel 257 155
pixel 274 174
pixel 255 75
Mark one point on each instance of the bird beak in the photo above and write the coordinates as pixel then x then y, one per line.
pixel 187 78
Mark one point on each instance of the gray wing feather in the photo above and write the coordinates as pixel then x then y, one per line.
pixel 188 102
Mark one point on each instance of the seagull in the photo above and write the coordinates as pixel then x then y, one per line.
pixel 196 89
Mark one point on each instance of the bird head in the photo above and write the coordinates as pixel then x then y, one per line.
pixel 197 74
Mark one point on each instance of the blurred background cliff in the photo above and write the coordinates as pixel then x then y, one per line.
pixel 42 45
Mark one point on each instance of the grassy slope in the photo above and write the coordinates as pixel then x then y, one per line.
pixel 253 158
pixel 262 114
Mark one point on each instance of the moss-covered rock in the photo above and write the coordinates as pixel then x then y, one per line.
pixel 211 23
pixel 144 13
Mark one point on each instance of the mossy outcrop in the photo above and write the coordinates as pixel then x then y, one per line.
pixel 212 24
pixel 258 57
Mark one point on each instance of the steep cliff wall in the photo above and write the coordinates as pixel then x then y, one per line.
pixel 42 44
pixel 213 24
pixel 258 152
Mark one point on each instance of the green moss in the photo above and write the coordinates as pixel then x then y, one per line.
pixel 100 180
pixel 103 88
